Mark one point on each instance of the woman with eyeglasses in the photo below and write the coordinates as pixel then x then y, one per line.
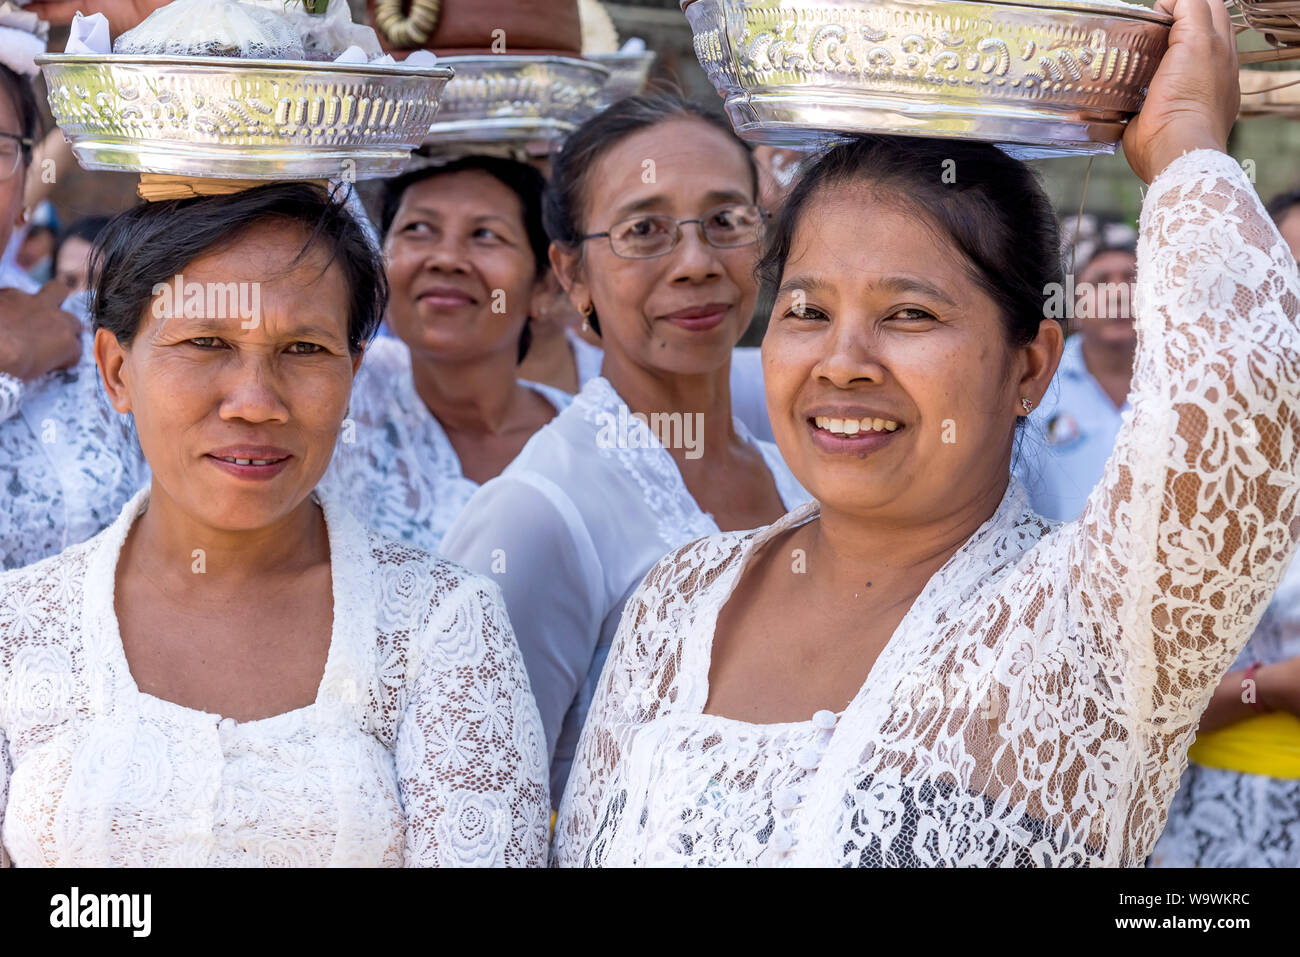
pixel 654 228
pixel 68 461
pixel 440 409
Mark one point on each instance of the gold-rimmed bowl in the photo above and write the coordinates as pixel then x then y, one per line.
pixel 1039 79
pixel 241 119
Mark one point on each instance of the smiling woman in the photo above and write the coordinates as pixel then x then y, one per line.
pixel 916 669
pixel 651 211
pixel 440 409
pixel 236 671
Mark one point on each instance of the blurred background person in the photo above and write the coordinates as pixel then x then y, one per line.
pixel 1285 210
pixel 1070 436
pixel 72 253
pixel 68 461
pixel 439 408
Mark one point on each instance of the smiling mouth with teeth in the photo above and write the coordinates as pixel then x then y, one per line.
pixel 853 426
pixel 232 461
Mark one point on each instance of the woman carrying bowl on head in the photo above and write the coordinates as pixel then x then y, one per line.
pixel 236 671
pixel 440 409
pixel 915 668
pixel 651 211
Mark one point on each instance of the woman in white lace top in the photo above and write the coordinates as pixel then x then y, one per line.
pixel 439 410
pixel 915 669
pixel 236 671
pixel 662 265
pixel 68 461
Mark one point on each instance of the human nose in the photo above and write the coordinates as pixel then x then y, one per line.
pixel 445 254
pixel 849 357
pixel 252 392
pixel 694 259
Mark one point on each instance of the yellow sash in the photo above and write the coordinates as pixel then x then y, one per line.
pixel 1267 744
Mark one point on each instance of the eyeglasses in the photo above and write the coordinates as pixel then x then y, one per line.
pixel 14 149
pixel 654 234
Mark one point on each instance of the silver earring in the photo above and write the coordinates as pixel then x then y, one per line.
pixel 1026 405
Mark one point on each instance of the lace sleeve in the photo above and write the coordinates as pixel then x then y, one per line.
pixel 11 395
pixel 1190 530
pixel 471 709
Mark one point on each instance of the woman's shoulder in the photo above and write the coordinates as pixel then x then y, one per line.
pixel 438 604
pixel 40 604
pixel 690 572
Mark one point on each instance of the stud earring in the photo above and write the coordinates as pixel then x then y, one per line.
pixel 1026 405
pixel 586 315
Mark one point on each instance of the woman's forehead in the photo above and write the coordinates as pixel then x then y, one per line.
pixel 675 157
pixel 466 189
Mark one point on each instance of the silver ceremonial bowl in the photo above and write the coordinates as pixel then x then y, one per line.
pixel 498 98
pixel 1039 79
pixel 628 73
pixel 241 119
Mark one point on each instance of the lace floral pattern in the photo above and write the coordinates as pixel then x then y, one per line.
pixel 1036 703
pixel 644 459
pixel 393 464
pixel 422 748
pixel 1222 818
pixel 68 463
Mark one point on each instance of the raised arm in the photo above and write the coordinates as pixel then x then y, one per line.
pixel 470 760
pixel 1195 520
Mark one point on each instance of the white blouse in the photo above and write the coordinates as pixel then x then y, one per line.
pixel 568 530
pixel 1222 818
pixel 423 746
pixel 68 460
pixel 748 398
pixel 393 463
pixel 1036 703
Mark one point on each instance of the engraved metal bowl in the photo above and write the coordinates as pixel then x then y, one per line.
pixel 1037 78
pixel 628 73
pixel 516 98
pixel 241 119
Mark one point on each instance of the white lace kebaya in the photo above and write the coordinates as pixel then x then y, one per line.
pixel 1036 703
pixel 393 464
pixel 1223 818
pixel 568 530
pixel 423 746
pixel 68 460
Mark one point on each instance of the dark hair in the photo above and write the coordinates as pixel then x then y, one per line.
pixel 566 194
pixel 150 243
pixel 1279 206
pixel 991 207
pixel 521 179
pixel 24 102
